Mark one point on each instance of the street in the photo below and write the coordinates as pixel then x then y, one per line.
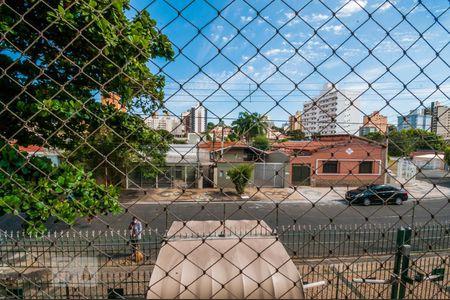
pixel 160 215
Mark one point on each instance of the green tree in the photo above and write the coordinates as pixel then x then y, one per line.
pixel 376 136
pixel 279 129
pixel 403 142
pixel 240 176
pixel 447 155
pixel 210 126
pixel 249 125
pixel 232 137
pixel 60 57
pixel 33 187
pixel 261 142
pixel 109 157
pixel 296 135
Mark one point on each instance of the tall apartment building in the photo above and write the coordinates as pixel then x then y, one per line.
pixel 198 119
pixel 332 112
pixel 186 120
pixel 295 121
pixel 375 122
pixel 171 124
pixel 417 118
pixel 440 122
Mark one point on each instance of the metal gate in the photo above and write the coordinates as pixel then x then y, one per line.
pixel 269 174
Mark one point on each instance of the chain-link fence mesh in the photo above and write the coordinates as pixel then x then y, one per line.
pixel 218 149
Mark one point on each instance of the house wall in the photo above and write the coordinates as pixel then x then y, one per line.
pixel 348 158
pixel 238 155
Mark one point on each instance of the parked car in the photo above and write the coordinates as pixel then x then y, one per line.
pixel 376 193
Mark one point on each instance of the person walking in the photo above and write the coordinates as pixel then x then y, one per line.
pixel 135 230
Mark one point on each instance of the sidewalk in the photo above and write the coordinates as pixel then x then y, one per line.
pixel 421 190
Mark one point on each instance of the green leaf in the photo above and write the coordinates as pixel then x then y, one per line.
pixel 61 10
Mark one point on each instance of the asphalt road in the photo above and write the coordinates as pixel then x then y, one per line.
pixel 160 215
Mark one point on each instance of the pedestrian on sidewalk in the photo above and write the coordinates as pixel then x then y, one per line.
pixel 135 230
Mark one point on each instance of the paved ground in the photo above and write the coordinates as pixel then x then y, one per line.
pixel 420 190
pixel 309 206
pixel 159 215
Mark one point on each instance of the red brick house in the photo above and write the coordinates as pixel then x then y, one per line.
pixel 335 160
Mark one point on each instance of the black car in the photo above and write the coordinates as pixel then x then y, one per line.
pixel 383 193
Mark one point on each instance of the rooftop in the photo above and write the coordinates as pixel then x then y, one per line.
pixel 323 142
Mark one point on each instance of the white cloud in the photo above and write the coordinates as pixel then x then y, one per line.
pixel 408 39
pixel 214 37
pixel 245 19
pixel 277 51
pixel 316 17
pixel 260 20
pixel 336 29
pixel 289 15
pixel 385 6
pixel 382 6
pixel 349 7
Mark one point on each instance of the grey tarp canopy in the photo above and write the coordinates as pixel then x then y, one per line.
pixel 205 259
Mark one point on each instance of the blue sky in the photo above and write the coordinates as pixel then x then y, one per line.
pixel 302 45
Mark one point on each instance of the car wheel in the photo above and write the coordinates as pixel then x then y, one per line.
pixel 398 201
pixel 366 202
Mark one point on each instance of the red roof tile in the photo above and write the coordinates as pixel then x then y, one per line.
pixel 32 149
pixel 219 145
pixel 322 142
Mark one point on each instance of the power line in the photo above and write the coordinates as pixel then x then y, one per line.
pixel 178 82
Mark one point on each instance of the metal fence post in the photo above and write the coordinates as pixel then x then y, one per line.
pixel 405 263
pixel 401 263
pixel 397 262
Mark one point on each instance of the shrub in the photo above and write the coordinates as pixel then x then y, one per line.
pixel 240 176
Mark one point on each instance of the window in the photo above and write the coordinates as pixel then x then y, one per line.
pixel 383 188
pixel 330 167
pixel 366 167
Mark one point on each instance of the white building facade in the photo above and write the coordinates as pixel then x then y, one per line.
pixel 440 123
pixel 198 115
pixel 171 124
pixel 332 112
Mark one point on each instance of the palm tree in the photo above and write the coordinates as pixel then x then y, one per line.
pixel 249 125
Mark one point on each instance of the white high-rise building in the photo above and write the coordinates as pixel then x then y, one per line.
pixel 332 112
pixel 198 120
pixel 441 119
pixel 171 124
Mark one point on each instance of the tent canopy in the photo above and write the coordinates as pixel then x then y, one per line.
pixel 234 259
